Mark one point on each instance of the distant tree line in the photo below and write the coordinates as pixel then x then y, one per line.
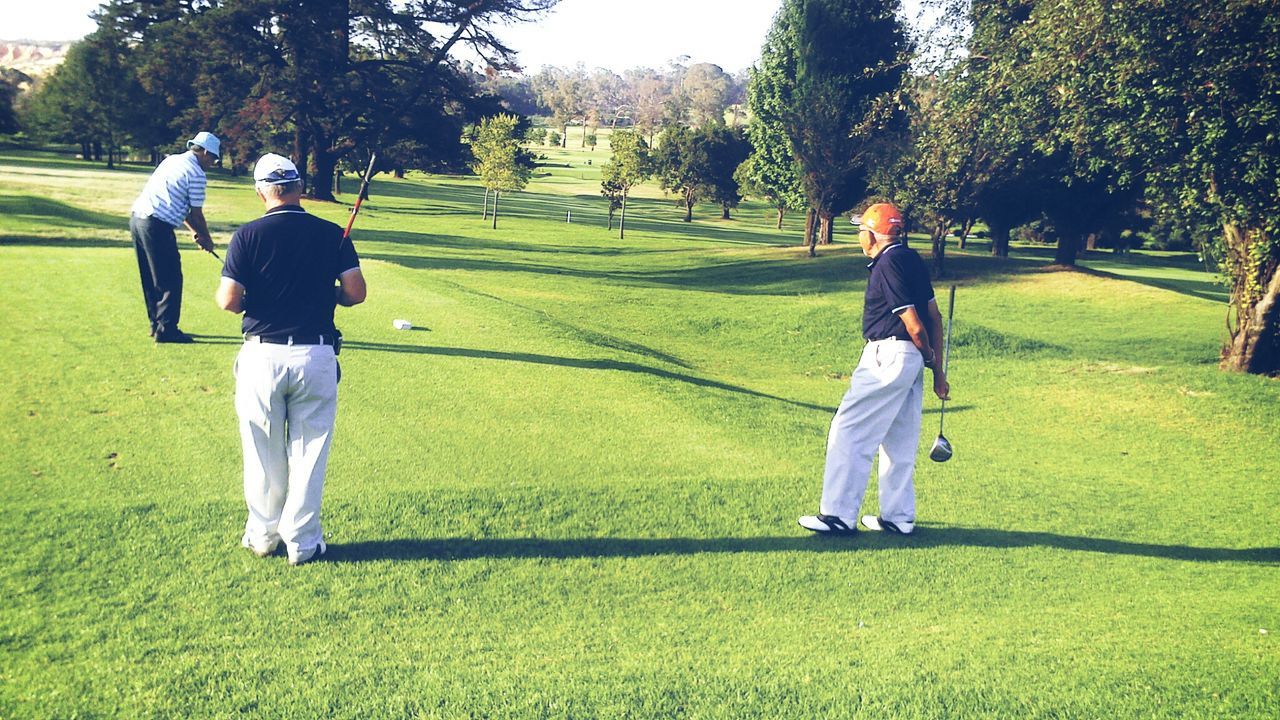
pixel 642 98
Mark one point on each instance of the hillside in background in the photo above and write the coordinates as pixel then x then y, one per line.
pixel 32 58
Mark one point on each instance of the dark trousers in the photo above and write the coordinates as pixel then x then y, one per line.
pixel 161 269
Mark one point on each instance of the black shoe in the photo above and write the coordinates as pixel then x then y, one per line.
pixel 901 527
pixel 173 336
pixel 829 525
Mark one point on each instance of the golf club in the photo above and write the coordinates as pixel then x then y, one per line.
pixel 941 451
pixel 364 190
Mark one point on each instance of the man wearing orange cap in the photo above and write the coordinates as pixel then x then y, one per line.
pixel 882 409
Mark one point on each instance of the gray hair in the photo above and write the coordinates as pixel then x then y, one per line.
pixel 279 190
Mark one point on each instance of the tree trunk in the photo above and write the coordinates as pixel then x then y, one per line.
pixel 622 221
pixel 965 228
pixel 810 231
pixel 486 204
pixel 322 185
pixel 111 156
pixel 781 209
pixel 398 173
pixel 939 237
pixel 999 239
pixel 1255 298
pixel 564 135
pixel 300 149
pixel 828 228
pixel 724 211
pixel 1068 247
pixel 610 215
pixel 97 151
pixel 495 209
pixel 86 152
pixel 688 205
pixel 1091 241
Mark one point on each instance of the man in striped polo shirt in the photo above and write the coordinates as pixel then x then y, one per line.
pixel 173 196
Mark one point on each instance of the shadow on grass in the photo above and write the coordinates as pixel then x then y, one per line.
pixel 756 277
pixel 64 242
pixel 924 538
pixel 1211 290
pixel 582 363
pixel 43 210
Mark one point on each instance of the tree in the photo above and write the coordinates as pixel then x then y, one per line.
pixel 611 189
pixel 89 97
pixel 771 171
pixel 10 80
pixel 708 89
pixel 564 93
pixel 681 163
pixel 1193 112
pixel 629 166
pixel 499 161
pixel 841 98
pixel 726 148
pixel 647 95
pixel 339 76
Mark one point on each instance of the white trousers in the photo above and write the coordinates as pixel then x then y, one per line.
pixel 287 400
pixel 881 410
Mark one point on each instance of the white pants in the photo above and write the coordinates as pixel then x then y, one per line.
pixel 287 400
pixel 882 409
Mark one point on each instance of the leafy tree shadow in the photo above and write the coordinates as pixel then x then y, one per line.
pixel 44 210
pixel 583 363
pixel 925 538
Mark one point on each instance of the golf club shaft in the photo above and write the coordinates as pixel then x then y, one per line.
pixel 946 351
pixel 364 188
pixel 214 254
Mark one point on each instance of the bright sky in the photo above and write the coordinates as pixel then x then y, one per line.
pixel 594 32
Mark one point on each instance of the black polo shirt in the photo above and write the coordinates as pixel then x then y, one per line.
pixel 287 262
pixel 899 280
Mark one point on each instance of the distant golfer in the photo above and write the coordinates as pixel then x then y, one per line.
pixel 173 196
pixel 882 409
pixel 280 271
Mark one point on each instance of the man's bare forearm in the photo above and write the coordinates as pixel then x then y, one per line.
pixel 195 222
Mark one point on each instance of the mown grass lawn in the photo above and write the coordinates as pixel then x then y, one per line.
pixel 571 491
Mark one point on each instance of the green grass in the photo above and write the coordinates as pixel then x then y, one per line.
pixel 572 491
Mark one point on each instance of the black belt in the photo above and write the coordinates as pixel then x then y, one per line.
pixel 891 337
pixel 292 339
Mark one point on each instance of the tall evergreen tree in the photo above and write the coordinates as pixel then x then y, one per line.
pixel 842 98
pixel 771 171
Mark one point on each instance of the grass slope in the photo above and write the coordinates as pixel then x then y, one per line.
pixel 572 490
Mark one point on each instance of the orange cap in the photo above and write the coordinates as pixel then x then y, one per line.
pixel 882 219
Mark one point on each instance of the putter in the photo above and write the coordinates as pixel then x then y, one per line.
pixel 942 451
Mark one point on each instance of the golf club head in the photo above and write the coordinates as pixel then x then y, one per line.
pixel 941 451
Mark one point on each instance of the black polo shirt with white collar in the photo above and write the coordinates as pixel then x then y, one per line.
pixel 287 261
pixel 899 280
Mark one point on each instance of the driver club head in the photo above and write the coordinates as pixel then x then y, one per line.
pixel 941 451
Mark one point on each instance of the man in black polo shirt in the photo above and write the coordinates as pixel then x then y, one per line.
pixel 882 409
pixel 280 272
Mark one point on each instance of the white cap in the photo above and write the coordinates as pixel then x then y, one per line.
pixel 274 169
pixel 208 141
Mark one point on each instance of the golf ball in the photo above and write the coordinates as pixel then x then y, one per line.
pixel 401 324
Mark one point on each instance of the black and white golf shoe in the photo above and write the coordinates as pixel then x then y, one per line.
pixel 828 524
pixel 902 527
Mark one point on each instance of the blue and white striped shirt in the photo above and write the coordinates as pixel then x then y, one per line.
pixel 176 186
